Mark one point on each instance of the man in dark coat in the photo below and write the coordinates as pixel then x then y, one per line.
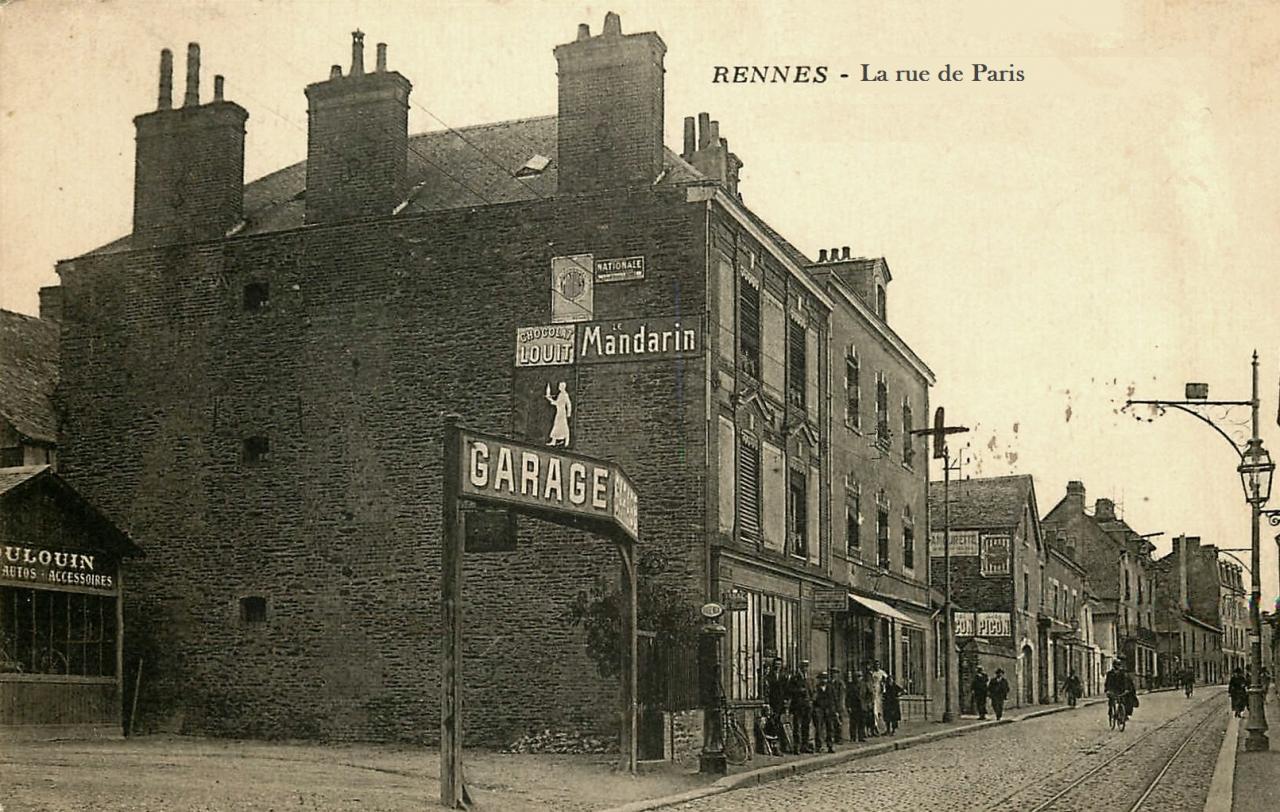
pixel 979 688
pixel 998 691
pixel 774 689
pixel 824 713
pixel 802 706
pixel 857 714
pixel 1073 688
pixel 837 685
pixel 1238 689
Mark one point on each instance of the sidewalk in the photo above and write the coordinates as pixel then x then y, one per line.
pixel 1257 775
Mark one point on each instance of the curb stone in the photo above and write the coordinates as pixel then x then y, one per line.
pixel 776 772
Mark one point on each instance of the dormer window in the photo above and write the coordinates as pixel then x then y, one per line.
pixel 534 166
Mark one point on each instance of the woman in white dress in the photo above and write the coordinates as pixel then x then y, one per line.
pixel 564 410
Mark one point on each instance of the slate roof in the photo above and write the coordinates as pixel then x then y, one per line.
pixel 448 169
pixel 991 502
pixel 28 374
pixel 15 481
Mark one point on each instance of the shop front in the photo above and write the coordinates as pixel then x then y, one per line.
pixel 896 637
pixel 61 617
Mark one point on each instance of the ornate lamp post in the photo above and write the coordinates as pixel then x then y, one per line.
pixel 1256 470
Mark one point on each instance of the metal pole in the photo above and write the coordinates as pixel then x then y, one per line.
pixel 452 791
pixel 947 714
pixel 627 742
pixel 1256 726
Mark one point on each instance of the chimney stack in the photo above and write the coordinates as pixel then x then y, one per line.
pixel 189 166
pixel 610 104
pixel 844 253
pixel 51 303
pixel 712 157
pixel 357 141
pixel 1104 510
pixel 822 255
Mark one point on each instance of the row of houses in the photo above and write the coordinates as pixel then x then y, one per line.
pixel 253 384
pixel 1070 592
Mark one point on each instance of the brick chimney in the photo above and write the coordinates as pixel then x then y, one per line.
pixel 1180 563
pixel 357 140
pixel 709 153
pixel 867 277
pixel 1104 510
pixel 611 98
pixel 51 303
pixel 189 171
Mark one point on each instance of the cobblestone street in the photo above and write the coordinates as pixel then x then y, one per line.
pixel 1030 765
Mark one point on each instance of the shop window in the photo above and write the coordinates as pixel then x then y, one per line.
pixel 48 632
pixel 257 449
pixel 748 489
pixel 796 364
pixel 798 511
pixel 913 668
pixel 257 296
pixel 253 609
pixel 749 329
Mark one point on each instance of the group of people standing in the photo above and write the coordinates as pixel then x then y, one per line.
pixel 994 688
pixel 807 714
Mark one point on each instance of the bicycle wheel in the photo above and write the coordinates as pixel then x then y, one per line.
pixel 1121 718
pixel 736 750
pixel 1111 716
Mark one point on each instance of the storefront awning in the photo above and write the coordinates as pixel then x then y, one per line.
pixel 882 608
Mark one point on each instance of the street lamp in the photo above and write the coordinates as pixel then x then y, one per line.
pixel 1255 471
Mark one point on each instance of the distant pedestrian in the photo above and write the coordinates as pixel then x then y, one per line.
pixel 877 694
pixel 979 688
pixel 1239 691
pixel 853 700
pixel 824 713
pixel 837 685
pixel 869 720
pixel 998 691
pixel 892 707
pixel 802 706
pixel 1073 688
pixel 1188 680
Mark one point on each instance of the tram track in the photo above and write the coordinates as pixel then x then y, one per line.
pixel 1010 800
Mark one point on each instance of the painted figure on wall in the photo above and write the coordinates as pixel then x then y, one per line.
pixel 564 410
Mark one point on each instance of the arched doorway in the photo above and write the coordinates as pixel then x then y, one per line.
pixel 1028 675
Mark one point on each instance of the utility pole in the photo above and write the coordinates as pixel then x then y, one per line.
pixel 939 434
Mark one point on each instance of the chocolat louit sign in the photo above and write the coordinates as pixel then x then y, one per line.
pixel 618 340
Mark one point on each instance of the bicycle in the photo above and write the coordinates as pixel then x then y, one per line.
pixel 737 747
pixel 1117 713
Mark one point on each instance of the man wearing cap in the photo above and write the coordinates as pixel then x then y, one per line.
pixel 998 691
pixel 802 706
pixel 824 713
pixel 837 685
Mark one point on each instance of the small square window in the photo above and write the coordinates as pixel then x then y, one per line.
pixel 257 449
pixel 253 609
pixel 534 166
pixel 257 296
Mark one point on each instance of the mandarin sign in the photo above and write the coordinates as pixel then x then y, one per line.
pixel 658 338
pixel 502 471
pixel 49 567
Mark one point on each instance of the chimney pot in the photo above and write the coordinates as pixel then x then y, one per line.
pixel 1104 509
pixel 704 130
pixel 844 252
pixel 714 138
pixel 584 31
pixel 217 88
pixel 690 138
pixel 822 255
pixel 382 57
pixel 357 53
pixel 166 80
pixel 335 71
pixel 612 25
pixel 192 97
pixel 835 254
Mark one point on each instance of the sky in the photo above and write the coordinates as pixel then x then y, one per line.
pixel 1105 228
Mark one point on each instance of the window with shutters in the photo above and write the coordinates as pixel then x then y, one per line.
pixel 882 530
pixel 908 440
pixel 853 519
pixel 883 435
pixel 853 390
pixel 796 366
pixel 748 489
pixel 798 511
pixel 908 539
pixel 749 328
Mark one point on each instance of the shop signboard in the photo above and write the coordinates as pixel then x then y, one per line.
pixel 623 269
pixel 993 624
pixel 51 567
pixel 572 288
pixel 644 339
pixel 963 542
pixel 735 600
pixel 964 624
pixel 995 555
pixel 498 470
pixel 545 345
pixel 830 600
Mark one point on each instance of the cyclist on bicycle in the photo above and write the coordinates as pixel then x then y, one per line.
pixel 1119 687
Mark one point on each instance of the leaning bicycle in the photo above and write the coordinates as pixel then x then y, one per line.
pixel 737 746
pixel 1117 713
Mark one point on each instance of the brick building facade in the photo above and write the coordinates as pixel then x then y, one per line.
pixel 254 386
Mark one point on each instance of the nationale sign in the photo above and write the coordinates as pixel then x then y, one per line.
pixel 498 470
pixel 623 269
